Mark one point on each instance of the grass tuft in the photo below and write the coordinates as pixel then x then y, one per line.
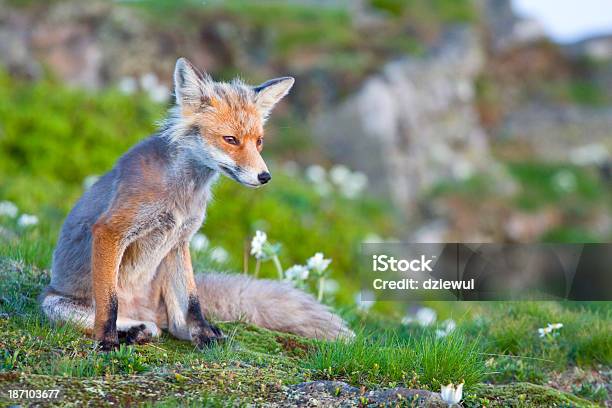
pixel 426 361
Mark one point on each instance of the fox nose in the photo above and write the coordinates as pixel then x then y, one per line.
pixel 264 177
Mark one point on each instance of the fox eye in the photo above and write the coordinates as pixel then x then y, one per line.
pixel 231 140
pixel 259 141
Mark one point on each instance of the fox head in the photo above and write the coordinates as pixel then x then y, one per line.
pixel 222 123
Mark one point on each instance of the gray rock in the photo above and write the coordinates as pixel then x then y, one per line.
pixel 411 397
pixel 15 55
pixel 562 133
pixel 413 124
pixel 598 48
pixel 340 394
pixel 507 30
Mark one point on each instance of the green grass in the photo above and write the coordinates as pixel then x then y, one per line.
pixel 285 29
pixel 577 91
pixel 573 194
pixel 516 351
pixel 444 11
pixel 502 335
pixel 328 34
pixel 424 361
pixel 541 184
pixel 522 395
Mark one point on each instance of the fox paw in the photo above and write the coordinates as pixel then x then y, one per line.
pixel 136 335
pixel 108 341
pixel 108 345
pixel 205 336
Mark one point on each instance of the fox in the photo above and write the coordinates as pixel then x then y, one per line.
pixel 122 267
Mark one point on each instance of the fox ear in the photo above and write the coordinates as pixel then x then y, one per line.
pixel 189 83
pixel 270 92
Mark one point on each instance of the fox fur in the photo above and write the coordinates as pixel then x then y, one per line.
pixel 122 267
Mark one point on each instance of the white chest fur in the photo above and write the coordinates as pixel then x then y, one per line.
pixel 182 219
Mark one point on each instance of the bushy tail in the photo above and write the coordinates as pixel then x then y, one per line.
pixel 271 304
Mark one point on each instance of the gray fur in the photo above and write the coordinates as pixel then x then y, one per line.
pixel 186 193
pixel 271 304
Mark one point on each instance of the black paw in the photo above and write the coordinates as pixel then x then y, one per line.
pixel 108 345
pixel 135 335
pixel 207 336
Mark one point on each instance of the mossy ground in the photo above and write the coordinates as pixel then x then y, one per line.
pixel 253 366
pixel 523 395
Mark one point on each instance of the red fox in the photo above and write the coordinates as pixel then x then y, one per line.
pixel 122 267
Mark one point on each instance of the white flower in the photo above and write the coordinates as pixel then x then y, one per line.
pixel 463 170
pixel 296 273
pixel 89 181
pixel 425 316
pixel 219 254
pixel 451 394
pixel 27 220
pixel 339 174
pixel 447 327
pixel 543 331
pixel 257 244
pixel 316 174
pixel 354 185
pixel 318 263
pixel 127 85
pixel 8 209
pixel 148 81
pixel 564 181
pixel 199 242
pixel 364 305
pixel 159 93
pixel 551 328
pixel 590 154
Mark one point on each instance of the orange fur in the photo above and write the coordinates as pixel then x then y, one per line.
pixel 105 263
pixel 240 120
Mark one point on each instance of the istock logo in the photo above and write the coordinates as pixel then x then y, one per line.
pixel 384 263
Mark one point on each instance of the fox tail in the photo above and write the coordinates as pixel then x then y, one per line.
pixel 270 304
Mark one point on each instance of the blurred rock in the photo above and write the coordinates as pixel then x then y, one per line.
pixel 577 134
pixel 529 227
pixel 94 44
pixel 15 55
pixel 413 124
pixel 598 48
pixel 434 231
pixel 506 29
pixel 66 41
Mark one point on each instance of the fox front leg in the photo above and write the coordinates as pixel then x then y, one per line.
pixel 185 318
pixel 106 256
